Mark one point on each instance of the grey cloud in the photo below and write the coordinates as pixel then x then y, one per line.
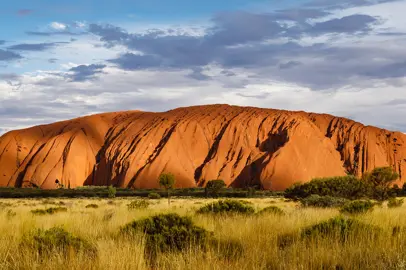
pixel 53 33
pixel 198 75
pixel 393 70
pixel 33 47
pixel 130 61
pixel 2 42
pixel 85 72
pixel 290 64
pixel 256 96
pixel 7 55
pixel 227 73
pixel 52 60
pixel 347 25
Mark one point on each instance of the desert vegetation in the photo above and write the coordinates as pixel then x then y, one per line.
pixel 199 233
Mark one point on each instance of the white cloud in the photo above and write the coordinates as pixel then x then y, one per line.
pixel 58 26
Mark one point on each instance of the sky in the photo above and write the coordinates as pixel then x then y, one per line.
pixel 63 59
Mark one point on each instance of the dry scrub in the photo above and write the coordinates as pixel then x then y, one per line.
pixel 242 241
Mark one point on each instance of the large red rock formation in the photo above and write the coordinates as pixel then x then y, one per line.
pixel 241 145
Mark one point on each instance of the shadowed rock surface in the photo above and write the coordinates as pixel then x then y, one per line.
pixel 244 146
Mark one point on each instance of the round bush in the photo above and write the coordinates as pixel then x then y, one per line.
pixel 227 207
pixel 357 207
pixel 56 241
pixel 167 232
pixel 393 202
pixel 92 205
pixel 273 210
pixel 154 196
pixel 138 204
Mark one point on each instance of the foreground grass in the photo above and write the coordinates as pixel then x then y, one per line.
pixel 258 235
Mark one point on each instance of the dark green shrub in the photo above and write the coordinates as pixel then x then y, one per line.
pixel 92 205
pixel 154 196
pixel 227 207
pixel 57 241
pixel 348 187
pixel 111 192
pixel 335 229
pixel 167 233
pixel 357 207
pixel 138 204
pixel 213 187
pixel 393 202
pixel 49 211
pixel 323 201
pixel 338 227
pixel 273 210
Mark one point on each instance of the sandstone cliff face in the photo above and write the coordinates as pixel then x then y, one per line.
pixel 241 145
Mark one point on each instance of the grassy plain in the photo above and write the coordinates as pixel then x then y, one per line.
pixel 258 235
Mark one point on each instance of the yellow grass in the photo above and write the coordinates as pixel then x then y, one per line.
pixel 258 235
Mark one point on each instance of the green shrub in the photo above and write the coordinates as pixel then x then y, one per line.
pixel 111 192
pixel 138 204
pixel 154 196
pixel 227 207
pixel 49 211
pixel 167 233
pixel 348 187
pixel 213 187
pixel 338 227
pixel 273 210
pixel 92 205
pixel 335 229
pixel 357 207
pixel 57 241
pixel 323 201
pixel 393 202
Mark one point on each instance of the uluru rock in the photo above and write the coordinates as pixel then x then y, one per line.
pixel 244 146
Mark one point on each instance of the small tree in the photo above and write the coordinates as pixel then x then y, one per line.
pixel 111 191
pixel 381 179
pixel 167 180
pixel 214 186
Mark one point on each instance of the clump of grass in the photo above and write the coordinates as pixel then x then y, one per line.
pixel 92 205
pixel 335 229
pixel 228 249
pixel 138 204
pixel 227 207
pixel 10 214
pixel 167 233
pixel 393 202
pixel 273 210
pixel 49 211
pixel 56 240
pixel 323 201
pixel 357 207
pixel 154 196
pixel 4 205
pixel 108 215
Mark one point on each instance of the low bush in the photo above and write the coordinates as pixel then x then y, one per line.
pixel 273 210
pixel 323 201
pixel 357 207
pixel 335 229
pixel 49 211
pixel 138 204
pixel 154 196
pixel 338 227
pixel 92 205
pixel 393 202
pixel 167 233
pixel 56 241
pixel 227 207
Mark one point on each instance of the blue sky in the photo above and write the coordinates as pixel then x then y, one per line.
pixel 63 59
